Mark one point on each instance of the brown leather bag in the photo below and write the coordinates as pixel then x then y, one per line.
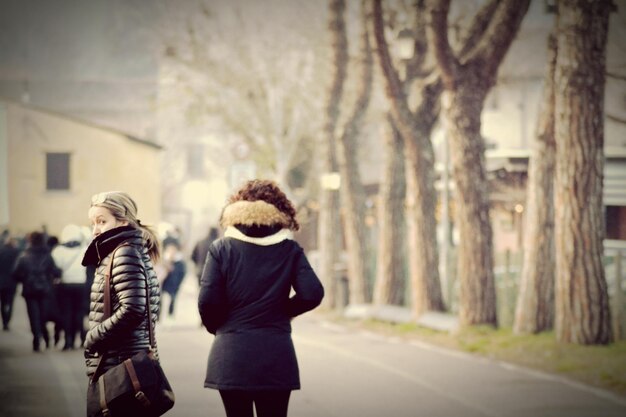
pixel 138 386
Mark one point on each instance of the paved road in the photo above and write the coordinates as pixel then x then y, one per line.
pixel 344 373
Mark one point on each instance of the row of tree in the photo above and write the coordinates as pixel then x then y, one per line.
pixel 263 81
pixel 562 282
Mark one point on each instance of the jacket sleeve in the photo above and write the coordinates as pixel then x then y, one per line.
pixel 308 289
pixel 128 282
pixel 212 300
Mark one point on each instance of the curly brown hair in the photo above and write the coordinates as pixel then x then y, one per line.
pixel 268 191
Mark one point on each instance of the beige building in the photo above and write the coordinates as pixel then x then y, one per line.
pixel 51 165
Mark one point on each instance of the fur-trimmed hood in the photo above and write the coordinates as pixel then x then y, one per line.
pixel 253 213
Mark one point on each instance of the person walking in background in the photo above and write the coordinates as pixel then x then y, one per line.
pixel 200 250
pixel 176 270
pixel 123 243
pixel 90 272
pixel 3 237
pixel 8 254
pixel 53 302
pixel 36 270
pixel 245 302
pixel 71 290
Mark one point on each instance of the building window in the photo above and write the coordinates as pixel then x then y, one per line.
pixel 57 171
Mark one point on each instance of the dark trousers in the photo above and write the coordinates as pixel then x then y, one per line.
pixel 36 308
pixel 266 403
pixel 71 303
pixel 7 295
pixel 172 282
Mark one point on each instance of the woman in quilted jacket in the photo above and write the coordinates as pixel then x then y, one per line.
pixel 245 301
pixel 121 239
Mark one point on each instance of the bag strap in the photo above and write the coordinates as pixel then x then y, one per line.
pixel 103 400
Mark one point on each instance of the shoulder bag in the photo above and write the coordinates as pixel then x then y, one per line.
pixel 136 387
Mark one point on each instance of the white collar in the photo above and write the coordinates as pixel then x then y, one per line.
pixel 277 237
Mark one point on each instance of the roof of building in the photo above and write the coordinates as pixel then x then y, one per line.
pixel 89 123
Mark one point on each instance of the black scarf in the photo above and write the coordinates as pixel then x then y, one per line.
pixel 106 242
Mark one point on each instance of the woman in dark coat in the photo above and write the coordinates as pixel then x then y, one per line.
pixel 8 254
pixel 244 301
pixel 36 270
pixel 113 216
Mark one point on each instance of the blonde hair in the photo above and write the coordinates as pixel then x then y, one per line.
pixel 124 208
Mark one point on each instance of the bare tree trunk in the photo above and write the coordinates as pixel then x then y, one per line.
pixel 328 216
pixel 477 294
pixel 390 280
pixel 467 78
pixel 582 302
pixel 415 129
pixel 534 311
pixel 352 193
pixel 421 200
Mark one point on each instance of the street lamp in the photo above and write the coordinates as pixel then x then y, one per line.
pixel 405 47
pixel 242 169
pixel 406 44
pixel 330 181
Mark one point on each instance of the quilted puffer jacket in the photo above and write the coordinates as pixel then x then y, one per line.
pixel 126 332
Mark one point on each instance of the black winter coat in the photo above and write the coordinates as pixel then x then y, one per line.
pixel 36 270
pixel 126 332
pixel 245 301
pixel 8 256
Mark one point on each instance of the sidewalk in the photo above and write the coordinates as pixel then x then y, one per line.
pixel 49 383
pixel 53 383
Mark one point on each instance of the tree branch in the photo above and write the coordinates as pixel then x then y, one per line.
pixel 616 119
pixel 503 27
pixel 394 85
pixel 616 76
pixel 477 28
pixel 416 66
pixel 365 86
pixel 438 39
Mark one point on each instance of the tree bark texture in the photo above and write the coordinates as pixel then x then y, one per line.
pixel 582 311
pixel 477 293
pixel 467 79
pixel 415 129
pixel 351 191
pixel 390 284
pixel 534 310
pixel 328 214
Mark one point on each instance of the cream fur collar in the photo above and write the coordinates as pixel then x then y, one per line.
pixel 277 237
pixel 249 213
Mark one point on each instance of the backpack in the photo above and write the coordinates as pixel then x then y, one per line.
pixel 37 279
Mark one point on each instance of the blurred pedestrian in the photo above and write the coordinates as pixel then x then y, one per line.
pixel 71 290
pixel 245 302
pixel 52 242
pixel 91 272
pixel 200 250
pixel 36 270
pixel 53 302
pixel 172 237
pixel 8 254
pixel 176 270
pixel 123 243
pixel 3 237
